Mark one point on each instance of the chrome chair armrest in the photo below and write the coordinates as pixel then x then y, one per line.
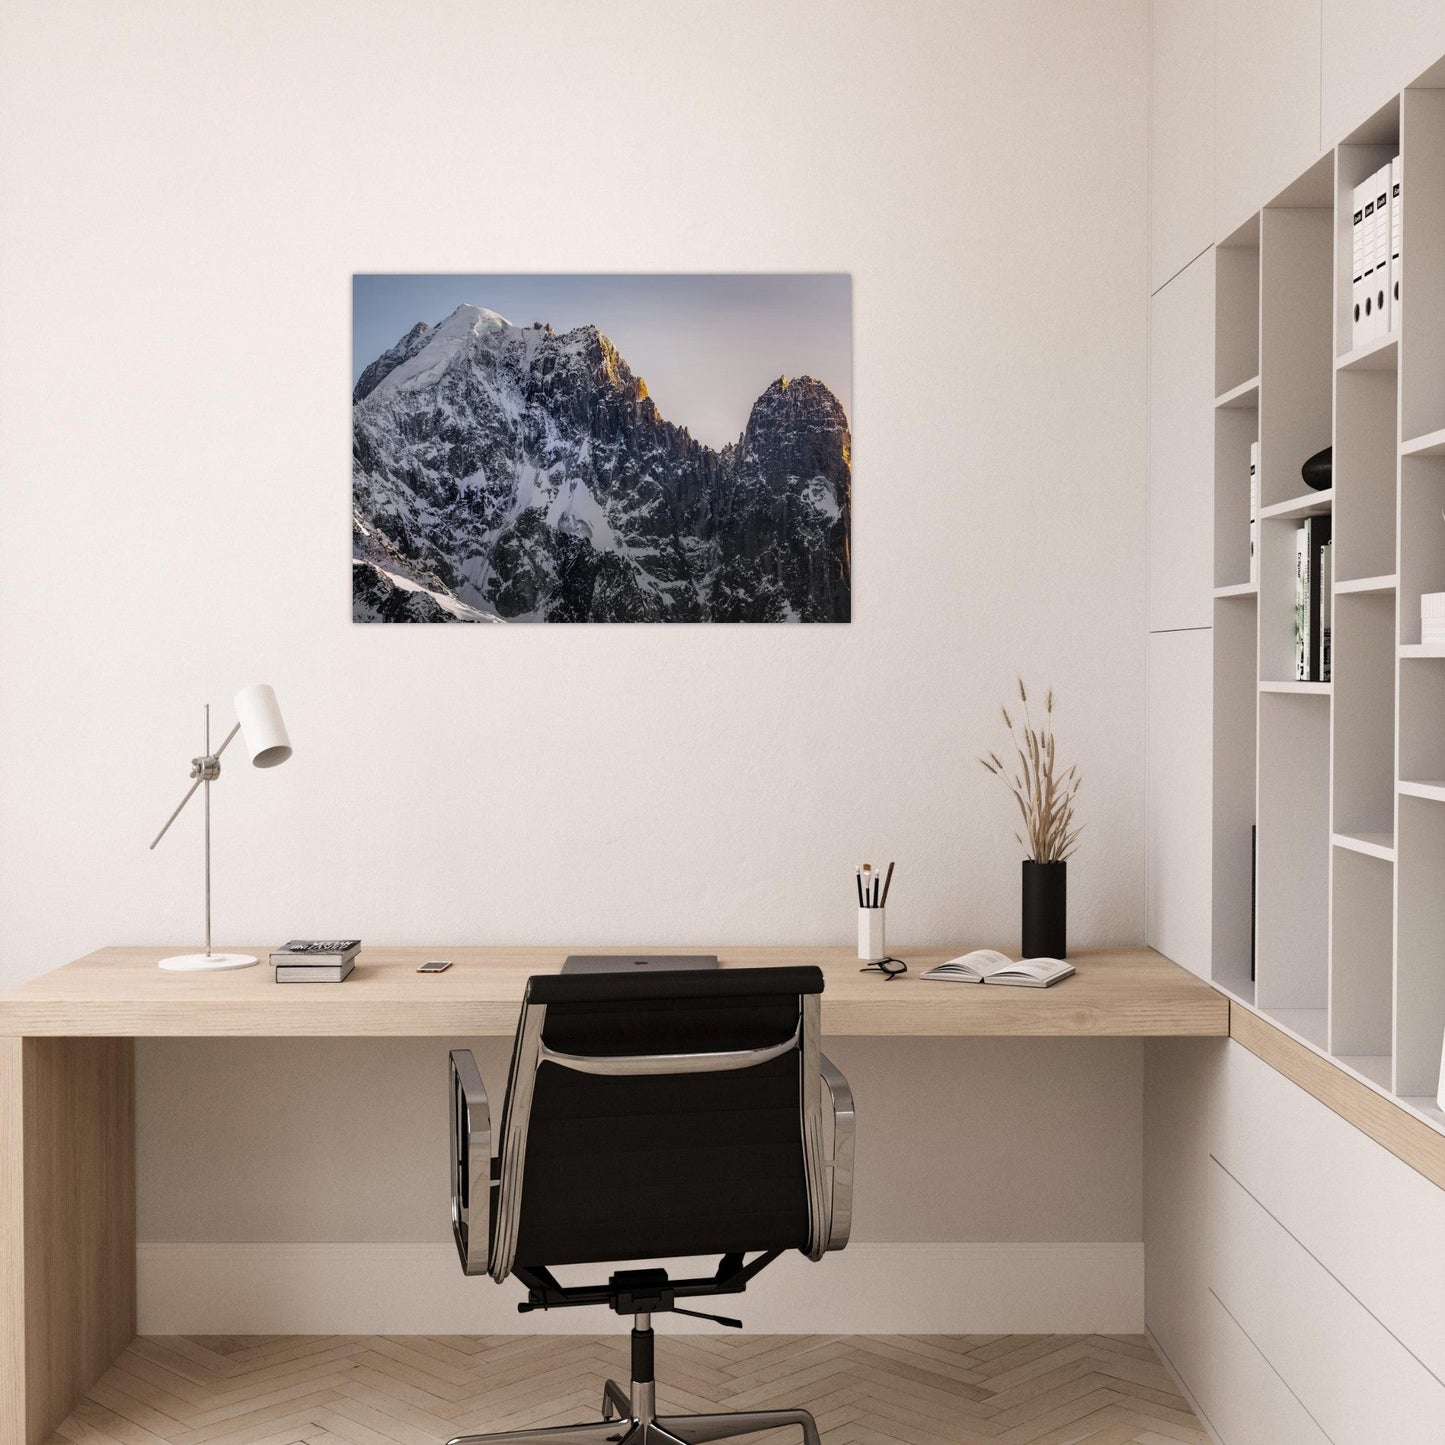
pixel 471 1120
pixel 840 1166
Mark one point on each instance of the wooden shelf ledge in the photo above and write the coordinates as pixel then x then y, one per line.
pixel 1392 1123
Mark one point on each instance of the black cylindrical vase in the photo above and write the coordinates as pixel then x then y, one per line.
pixel 1046 909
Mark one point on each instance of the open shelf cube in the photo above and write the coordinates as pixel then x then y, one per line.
pixel 1420 964
pixel 1362 956
pixel 1292 929
pixel 1364 724
pixel 1422 537
pixel 1235 705
pixel 1236 293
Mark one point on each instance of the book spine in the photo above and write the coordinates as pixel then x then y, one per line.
pixel 1327 607
pixel 1254 513
pixel 1301 606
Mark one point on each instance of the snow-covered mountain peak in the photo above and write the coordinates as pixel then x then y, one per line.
pixel 476 319
pixel 441 346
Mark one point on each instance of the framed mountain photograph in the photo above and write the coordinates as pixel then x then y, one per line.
pixel 511 464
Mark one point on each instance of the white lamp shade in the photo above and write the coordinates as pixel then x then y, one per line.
pixel 262 730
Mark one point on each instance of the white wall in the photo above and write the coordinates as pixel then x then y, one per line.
pixel 189 190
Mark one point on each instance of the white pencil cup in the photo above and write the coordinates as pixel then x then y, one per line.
pixel 871 946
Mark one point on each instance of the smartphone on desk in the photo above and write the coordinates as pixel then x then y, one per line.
pixel 435 965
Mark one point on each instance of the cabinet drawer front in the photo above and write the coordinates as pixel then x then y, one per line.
pixel 1367 1217
pixel 1246 1402
pixel 1358 1382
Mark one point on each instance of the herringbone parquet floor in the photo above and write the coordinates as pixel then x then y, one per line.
pixel 420 1390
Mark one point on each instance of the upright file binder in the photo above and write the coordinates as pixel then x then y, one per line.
pixel 1396 225
pixel 1380 292
pixel 1357 266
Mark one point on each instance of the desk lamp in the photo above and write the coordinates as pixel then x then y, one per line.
pixel 258 720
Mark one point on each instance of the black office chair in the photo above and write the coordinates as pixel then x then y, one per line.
pixel 651 1117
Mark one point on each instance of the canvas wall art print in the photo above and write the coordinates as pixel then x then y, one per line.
pixel 630 448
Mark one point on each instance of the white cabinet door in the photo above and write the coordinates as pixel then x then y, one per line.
pixel 1181 134
pixel 1369 50
pixel 1266 102
pixel 1178 814
pixel 1181 450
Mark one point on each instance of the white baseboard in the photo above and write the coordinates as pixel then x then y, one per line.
pixel 352 1289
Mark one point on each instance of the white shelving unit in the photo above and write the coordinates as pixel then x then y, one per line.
pixel 1335 790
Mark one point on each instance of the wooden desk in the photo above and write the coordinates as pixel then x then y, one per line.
pixel 119 992
pixel 67 1186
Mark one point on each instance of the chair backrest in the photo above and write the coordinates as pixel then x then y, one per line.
pixel 669 1114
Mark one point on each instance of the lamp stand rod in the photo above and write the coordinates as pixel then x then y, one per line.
pixel 207 778
pixel 204 771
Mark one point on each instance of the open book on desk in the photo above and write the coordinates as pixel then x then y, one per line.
pixel 987 965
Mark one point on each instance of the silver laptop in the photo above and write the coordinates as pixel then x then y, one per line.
pixel 637 962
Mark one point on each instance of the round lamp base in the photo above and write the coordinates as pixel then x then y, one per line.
pixel 206 962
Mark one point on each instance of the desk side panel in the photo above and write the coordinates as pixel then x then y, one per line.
pixel 77 1160
pixel 12 1244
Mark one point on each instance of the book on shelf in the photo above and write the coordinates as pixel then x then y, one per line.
pixel 988 965
pixel 1301 605
pixel 1326 606
pixel 314 972
pixel 1254 513
pixel 1310 610
pixel 1432 617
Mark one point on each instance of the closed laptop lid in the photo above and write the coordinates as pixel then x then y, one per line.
pixel 637 962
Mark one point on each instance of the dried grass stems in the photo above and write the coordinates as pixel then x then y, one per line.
pixel 1044 795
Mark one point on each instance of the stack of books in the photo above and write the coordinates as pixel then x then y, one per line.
pixel 1432 618
pixel 315 960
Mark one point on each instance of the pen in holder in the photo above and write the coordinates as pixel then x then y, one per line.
pixel 871 944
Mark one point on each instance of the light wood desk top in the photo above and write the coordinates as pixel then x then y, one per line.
pixel 119 992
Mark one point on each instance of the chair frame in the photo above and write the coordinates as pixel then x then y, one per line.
pixel 487 1203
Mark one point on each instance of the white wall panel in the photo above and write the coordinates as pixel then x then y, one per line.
pixel 1181 450
pixel 1267 102
pixel 1370 49
pixel 1179 815
pixel 1181 134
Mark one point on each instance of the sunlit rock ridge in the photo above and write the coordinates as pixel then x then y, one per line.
pixel 513 474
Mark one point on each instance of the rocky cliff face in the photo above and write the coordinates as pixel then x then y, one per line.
pixel 514 473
